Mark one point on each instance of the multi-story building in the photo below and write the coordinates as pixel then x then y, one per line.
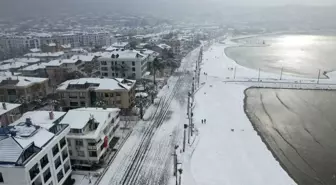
pixel 14 66
pixel 9 112
pixel 123 64
pixel 19 44
pixel 35 70
pixel 45 119
pixel 95 39
pixel 58 70
pixel 86 92
pixel 45 57
pixel 92 132
pixel 13 88
pixel 34 155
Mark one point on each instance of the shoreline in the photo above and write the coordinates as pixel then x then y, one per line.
pixel 263 139
pixel 323 75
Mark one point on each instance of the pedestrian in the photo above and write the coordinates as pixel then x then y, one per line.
pixel 202 121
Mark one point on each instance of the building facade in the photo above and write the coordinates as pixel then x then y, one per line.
pixel 32 155
pixel 88 92
pixel 92 133
pixel 123 64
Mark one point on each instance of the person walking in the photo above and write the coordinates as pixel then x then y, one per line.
pixel 202 121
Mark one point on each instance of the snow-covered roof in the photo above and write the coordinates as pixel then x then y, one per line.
pixel 40 138
pixel 78 118
pixel 110 48
pixel 120 44
pixel 20 81
pixel 61 61
pixel 141 94
pixel 49 54
pixel 40 118
pixel 79 50
pixel 123 54
pixel 35 50
pixel 84 58
pixel 163 46
pixel 34 67
pixel 10 150
pixel 51 44
pixel 9 107
pixel 102 83
pixel 66 46
pixel 13 65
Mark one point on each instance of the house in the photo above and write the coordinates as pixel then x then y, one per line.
pixel 123 64
pixel 86 92
pixel 13 88
pixel 14 66
pixel 35 70
pixel 92 132
pixel 33 155
pixel 9 112
pixel 45 57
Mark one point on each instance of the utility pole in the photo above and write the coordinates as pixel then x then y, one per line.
pixel 259 75
pixel 184 136
pixel 318 77
pixel 234 72
pixel 281 73
pixel 175 161
pixel 180 171
pixel 191 123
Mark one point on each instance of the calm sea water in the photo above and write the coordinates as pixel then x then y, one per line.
pixel 301 55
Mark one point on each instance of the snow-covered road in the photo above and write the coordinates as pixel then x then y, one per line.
pixel 146 156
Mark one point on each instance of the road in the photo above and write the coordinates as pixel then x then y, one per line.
pixel 146 157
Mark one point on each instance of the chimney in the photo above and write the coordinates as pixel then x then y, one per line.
pixel 4 106
pixel 28 122
pixel 51 115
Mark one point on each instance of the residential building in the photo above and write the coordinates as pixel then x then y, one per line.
pixel 91 134
pixel 13 88
pixel 45 119
pixel 86 92
pixel 35 70
pixel 175 46
pixel 95 39
pixel 123 64
pixel 121 45
pixel 33 155
pixel 58 70
pixel 26 60
pixel 46 57
pixel 9 112
pixel 14 66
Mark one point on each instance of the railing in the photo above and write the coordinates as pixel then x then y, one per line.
pixel 93 147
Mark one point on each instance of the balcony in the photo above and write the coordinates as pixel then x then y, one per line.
pixel 92 147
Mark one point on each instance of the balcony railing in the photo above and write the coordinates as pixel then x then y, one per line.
pixel 93 147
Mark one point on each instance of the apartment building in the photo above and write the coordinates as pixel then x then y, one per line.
pixel 95 39
pixel 35 70
pixel 86 92
pixel 123 64
pixel 58 70
pixel 9 112
pixel 46 57
pixel 33 155
pixel 13 88
pixel 92 133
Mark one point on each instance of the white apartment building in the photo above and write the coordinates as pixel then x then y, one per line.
pixel 95 39
pixel 122 63
pixel 91 134
pixel 34 155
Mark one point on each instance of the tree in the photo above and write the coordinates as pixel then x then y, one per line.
pixel 100 103
pixel 24 104
pixel 139 102
pixel 157 65
pixel 133 44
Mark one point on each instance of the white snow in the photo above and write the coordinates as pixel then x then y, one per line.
pixel 9 107
pixel 40 118
pixel 103 83
pixel 223 156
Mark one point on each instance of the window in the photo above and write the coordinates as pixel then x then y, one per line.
pixel 70 152
pixel 111 94
pixel 46 175
pixel 117 94
pixel 124 75
pixel 60 176
pixel 73 95
pixel 74 104
pixel 81 153
pixel 104 69
pixel 103 63
pixel 1 178
pixel 82 103
pixel 93 153
pixel 133 75
pixel 58 162
pixel 133 68
pixel 133 63
pixel 112 68
pixel 76 131
pixel 66 167
pixel 69 142
pixel 122 62
pixel 62 142
pixel 106 95
pixel 44 161
pixel 34 171
pixel 116 74
pixel 118 102
pixel 105 74
pixel 79 142
pixel 112 74
pixel 55 149
pixel 65 155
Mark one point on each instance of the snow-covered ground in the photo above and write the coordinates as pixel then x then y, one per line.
pixel 229 150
